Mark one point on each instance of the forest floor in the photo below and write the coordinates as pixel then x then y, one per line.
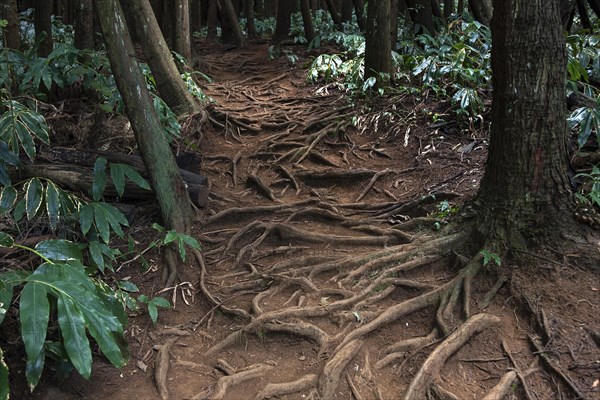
pixel 322 266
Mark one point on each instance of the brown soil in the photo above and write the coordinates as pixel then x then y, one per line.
pixel 323 267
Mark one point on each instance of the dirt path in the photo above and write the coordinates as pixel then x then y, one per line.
pixel 321 275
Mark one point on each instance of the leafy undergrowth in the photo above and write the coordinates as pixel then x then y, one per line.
pixel 329 267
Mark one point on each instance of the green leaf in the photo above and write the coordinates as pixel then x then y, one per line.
pixel 8 156
pixel 34 368
pixel 114 217
pixel 4 175
pixel 128 286
pixel 117 175
pixel 153 311
pixel 19 210
pixel 25 139
pixel 171 236
pixel 36 124
pixel 72 329
pixel 6 293
pixel 96 254
pixel 6 240
pixel 4 385
pixel 101 223
pixel 34 313
pixel 135 177
pixel 52 204
pixel 59 250
pixel 33 196
pixel 490 256
pixel 161 302
pixel 86 218
pixel 8 196
pixel 99 182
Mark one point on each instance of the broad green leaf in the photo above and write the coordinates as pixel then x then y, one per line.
pixel 4 175
pixel 128 286
pixel 161 302
pixel 8 156
pixel 118 178
pixel 114 217
pixel 171 236
pixel 25 139
pixel 59 250
pixel 86 218
pixel 52 204
pixel 34 313
pixel 6 240
pixel 19 210
pixel 96 254
pixel 135 177
pixel 72 329
pixel 34 368
pixel 190 241
pixel 101 223
pixel 36 124
pixel 99 182
pixel 6 293
pixel 8 196
pixel 4 385
pixel 34 192
pixel 153 312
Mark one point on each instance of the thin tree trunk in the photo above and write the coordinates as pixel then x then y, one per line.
pixel 567 7
pixel 195 15
pixel 43 26
pixel 586 23
pixel 525 191
pixel 183 36
pixel 171 194
pixel 461 7
pixel 422 15
pixel 334 15
pixel 346 9
pixel 394 20
pixel 249 12
pixel 359 7
pixel 436 10
pixel 232 22
pixel 212 20
pixel 12 34
pixel 481 10
pixel 282 28
pixel 448 8
pixel 171 87
pixel 378 58
pixel 84 25
pixel 309 30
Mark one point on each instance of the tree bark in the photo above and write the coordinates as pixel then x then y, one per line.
pixel 43 26
pixel 249 12
pixel 84 25
pixel 309 29
pixel 334 15
pixel 282 28
pixel 448 8
pixel 359 7
pixel 212 20
pixel 525 191
pixel 171 194
pixel 394 20
pixel 595 6
pixel 422 15
pixel 566 11
pixel 228 13
pixel 171 87
pixel 12 34
pixel 346 10
pixel 378 49
pixel 481 10
pixel 586 23
pixel 181 23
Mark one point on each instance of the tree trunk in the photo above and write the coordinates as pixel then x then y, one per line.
pixel 181 23
pixel 460 8
pixel 595 6
pixel 84 25
pixel 346 10
pixel 586 23
pixel 436 10
pixel 195 15
pixel 249 12
pixel 394 20
pixel 448 8
pixel 43 26
pixel 525 191
pixel 422 15
pixel 12 35
pixel 212 20
pixel 378 48
pixel 334 15
pixel 282 28
pixel 171 87
pixel 171 194
pixel 309 30
pixel 228 13
pixel 567 8
pixel 481 10
pixel 359 7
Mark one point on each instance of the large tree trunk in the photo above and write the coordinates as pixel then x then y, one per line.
pixel 84 25
pixel 309 30
pixel 8 11
pixel 525 190
pixel 181 23
pixel 378 49
pixel 171 194
pixel 228 13
pixel 43 26
pixel 481 10
pixel 171 87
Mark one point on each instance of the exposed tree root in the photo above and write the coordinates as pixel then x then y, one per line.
pixel 161 368
pixel 502 388
pixel 228 381
pixel 282 389
pixel 431 367
pixel 330 377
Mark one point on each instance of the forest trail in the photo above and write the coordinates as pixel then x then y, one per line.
pixel 321 270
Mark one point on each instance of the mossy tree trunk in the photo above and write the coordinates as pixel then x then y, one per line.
pixel 169 188
pixel 525 191
pixel 378 47
pixel 171 87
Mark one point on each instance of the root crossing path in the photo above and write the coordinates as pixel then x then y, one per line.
pixel 321 274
